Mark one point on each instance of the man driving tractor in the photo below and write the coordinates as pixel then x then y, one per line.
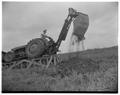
pixel 44 36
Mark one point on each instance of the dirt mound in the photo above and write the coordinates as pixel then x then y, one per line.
pixel 87 71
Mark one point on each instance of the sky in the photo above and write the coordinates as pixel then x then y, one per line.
pixel 23 21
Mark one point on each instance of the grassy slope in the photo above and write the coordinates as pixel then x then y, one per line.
pixel 91 70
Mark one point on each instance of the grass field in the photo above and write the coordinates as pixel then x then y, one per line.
pixel 90 70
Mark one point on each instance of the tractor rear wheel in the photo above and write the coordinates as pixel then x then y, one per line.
pixel 35 48
pixel 8 57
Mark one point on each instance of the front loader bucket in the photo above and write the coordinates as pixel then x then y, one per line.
pixel 80 25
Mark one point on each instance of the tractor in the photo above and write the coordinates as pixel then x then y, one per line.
pixel 45 45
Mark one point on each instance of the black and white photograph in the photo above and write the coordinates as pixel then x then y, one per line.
pixel 59 47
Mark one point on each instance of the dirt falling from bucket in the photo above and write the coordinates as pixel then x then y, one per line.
pixel 80 26
pixel 75 44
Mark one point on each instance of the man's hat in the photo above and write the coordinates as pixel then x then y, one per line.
pixel 45 31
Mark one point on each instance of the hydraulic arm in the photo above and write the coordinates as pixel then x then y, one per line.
pixel 71 16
